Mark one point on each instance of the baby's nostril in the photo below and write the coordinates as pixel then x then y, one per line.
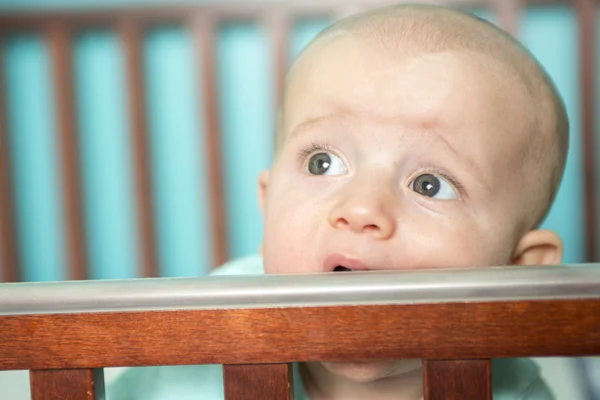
pixel 340 268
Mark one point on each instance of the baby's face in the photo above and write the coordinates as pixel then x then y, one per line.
pixel 395 162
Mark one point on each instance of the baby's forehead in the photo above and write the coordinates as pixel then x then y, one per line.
pixel 528 115
pixel 404 31
pixel 351 77
pixel 450 99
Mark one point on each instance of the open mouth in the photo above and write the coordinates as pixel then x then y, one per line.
pixel 339 263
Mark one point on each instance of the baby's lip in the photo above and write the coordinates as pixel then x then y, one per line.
pixel 338 260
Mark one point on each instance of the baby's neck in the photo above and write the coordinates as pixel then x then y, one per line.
pixel 320 384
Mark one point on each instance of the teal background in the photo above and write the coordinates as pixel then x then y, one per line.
pixel 176 139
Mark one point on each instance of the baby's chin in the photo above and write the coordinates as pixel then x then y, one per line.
pixel 371 370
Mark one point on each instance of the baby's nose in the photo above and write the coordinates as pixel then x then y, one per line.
pixel 363 215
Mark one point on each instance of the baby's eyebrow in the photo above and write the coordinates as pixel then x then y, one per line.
pixel 461 157
pixel 311 123
pixel 306 126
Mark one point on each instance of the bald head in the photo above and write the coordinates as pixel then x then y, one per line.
pixel 405 30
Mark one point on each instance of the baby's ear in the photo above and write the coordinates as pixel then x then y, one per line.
pixel 263 181
pixel 538 247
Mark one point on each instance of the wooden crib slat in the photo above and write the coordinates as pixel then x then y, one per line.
pixel 59 40
pixel 258 381
pixel 131 37
pixel 586 13
pixel 9 263
pixel 67 384
pixel 278 25
pixel 204 27
pixel 457 380
pixel 508 13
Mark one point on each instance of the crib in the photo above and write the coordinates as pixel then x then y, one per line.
pixel 501 312
pixel 255 326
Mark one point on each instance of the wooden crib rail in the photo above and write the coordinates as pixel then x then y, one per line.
pixel 256 326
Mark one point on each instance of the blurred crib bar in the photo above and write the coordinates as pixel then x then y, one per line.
pixel 131 24
pixel 256 326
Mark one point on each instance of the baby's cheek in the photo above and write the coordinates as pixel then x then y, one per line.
pixel 456 244
pixel 479 247
pixel 290 237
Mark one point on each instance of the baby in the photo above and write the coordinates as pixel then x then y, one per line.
pixel 409 137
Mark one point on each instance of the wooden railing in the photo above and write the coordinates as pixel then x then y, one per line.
pixel 131 24
pixel 256 326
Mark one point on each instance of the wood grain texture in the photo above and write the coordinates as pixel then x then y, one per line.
pixel 258 381
pixel 457 380
pixel 278 335
pixel 130 34
pixel 204 28
pixel 10 264
pixel 59 41
pixel 223 11
pixel 586 14
pixel 67 384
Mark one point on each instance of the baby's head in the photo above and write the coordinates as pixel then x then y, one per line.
pixel 413 137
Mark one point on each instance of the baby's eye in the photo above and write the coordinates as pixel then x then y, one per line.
pixel 433 186
pixel 325 164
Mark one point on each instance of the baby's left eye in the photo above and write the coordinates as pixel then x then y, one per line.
pixel 326 163
pixel 433 186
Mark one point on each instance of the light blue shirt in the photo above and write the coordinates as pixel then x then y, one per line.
pixel 512 379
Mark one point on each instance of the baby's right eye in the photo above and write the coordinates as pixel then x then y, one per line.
pixel 430 185
pixel 326 163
